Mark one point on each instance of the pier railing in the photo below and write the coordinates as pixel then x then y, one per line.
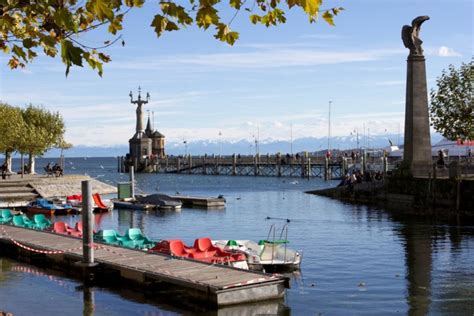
pixel 306 166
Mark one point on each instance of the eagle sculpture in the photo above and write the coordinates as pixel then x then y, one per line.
pixel 410 36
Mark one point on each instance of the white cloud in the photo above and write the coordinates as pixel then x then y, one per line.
pixel 444 51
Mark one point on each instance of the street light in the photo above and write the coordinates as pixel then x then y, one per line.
pixel 185 147
pixel 329 130
pixel 356 131
pixel 220 144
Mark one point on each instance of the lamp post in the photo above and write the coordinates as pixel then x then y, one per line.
pixel 329 129
pixel 185 148
pixel 291 139
pixel 220 144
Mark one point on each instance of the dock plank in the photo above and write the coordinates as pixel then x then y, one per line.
pixel 211 280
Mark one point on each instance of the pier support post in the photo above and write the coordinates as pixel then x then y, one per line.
pixel 303 167
pixel 178 165
pixel 132 181
pixel 166 163
pixel 326 169
pixel 278 164
pixel 364 162
pixel 190 164
pixel 234 165
pixel 87 247
pixel 255 164
pixel 216 164
pixel 384 165
pixel 87 264
pixel 204 170
pixel 308 172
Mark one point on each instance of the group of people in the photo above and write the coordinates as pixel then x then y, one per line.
pixel 55 170
pixel 358 177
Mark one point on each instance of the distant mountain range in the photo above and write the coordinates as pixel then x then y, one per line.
pixel 245 147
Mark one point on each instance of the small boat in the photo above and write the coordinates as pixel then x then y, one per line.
pixel 269 255
pixel 203 250
pixel 133 204
pixel 43 206
pixel 161 201
pixel 98 204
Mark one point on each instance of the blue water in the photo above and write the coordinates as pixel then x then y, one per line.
pixel 356 260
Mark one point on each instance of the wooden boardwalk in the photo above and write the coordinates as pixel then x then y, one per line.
pixel 203 202
pixel 216 284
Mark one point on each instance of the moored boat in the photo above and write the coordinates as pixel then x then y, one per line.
pixel 161 201
pixel 43 206
pixel 202 250
pixel 132 204
pixel 269 255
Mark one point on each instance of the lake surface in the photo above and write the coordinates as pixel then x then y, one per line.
pixel 356 260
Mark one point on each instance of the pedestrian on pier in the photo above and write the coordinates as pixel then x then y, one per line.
pixel 4 170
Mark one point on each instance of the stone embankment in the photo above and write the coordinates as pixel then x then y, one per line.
pixel 411 195
pixel 18 191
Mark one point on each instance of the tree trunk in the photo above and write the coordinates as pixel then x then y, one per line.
pixel 22 165
pixel 31 163
pixel 8 159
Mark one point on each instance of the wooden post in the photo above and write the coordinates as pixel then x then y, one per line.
pixel 204 170
pixel 326 168
pixel 166 163
pixel 384 165
pixel 255 164
pixel 278 164
pixel 303 167
pixel 87 246
pixel 234 165
pixel 216 164
pixel 178 165
pixel 364 162
pixel 190 164
pixel 309 169
pixel 132 182
pixel 118 164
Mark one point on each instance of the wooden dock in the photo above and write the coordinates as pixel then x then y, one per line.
pixel 215 284
pixel 201 202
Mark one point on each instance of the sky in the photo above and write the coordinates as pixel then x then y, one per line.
pixel 274 83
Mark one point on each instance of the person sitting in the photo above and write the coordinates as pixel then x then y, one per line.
pixel 48 169
pixel 57 170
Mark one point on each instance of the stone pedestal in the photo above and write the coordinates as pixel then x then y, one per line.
pixel 417 148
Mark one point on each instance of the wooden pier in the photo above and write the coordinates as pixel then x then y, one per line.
pixel 305 166
pixel 201 202
pixel 217 285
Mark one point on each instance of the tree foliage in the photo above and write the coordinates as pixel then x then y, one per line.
pixel 452 109
pixel 27 27
pixel 31 130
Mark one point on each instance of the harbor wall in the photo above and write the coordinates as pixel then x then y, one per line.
pixel 422 196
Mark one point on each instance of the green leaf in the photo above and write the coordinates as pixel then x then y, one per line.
pixel 159 23
pixel 311 7
pixel 71 55
pixel 19 52
pixel 206 16
pixel 63 18
pixel 102 9
pixel 328 17
pixel 255 18
pixel 224 34
pixel 236 4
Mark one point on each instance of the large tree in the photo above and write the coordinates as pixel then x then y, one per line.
pixel 44 130
pixel 11 126
pixel 28 26
pixel 452 109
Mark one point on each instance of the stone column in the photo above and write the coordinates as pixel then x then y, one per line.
pixel 417 147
